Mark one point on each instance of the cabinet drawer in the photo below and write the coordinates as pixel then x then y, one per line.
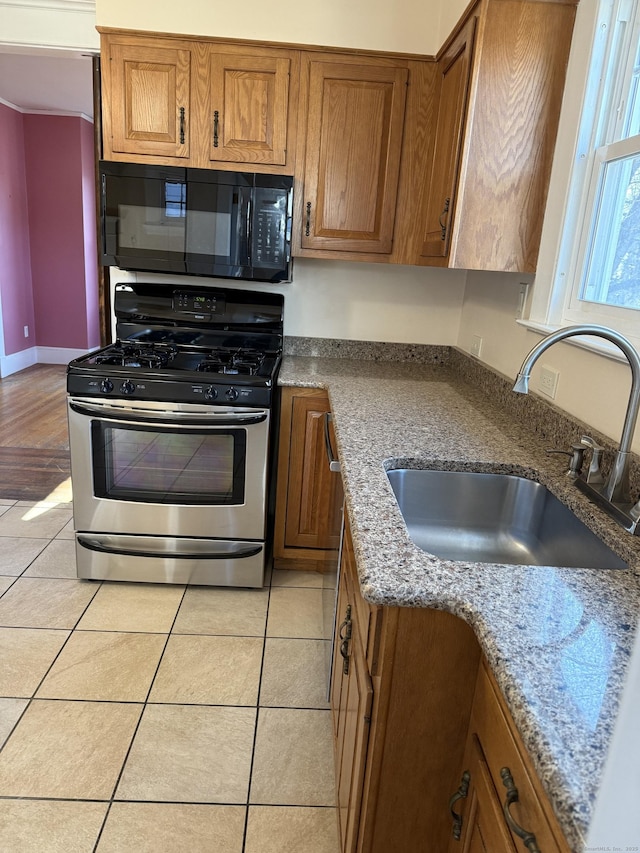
pixel 502 750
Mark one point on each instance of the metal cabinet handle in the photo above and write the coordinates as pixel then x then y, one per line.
pixel 443 225
pixel 345 637
pixel 182 113
pixel 334 464
pixel 460 794
pixel 216 119
pixel 307 229
pixel 528 838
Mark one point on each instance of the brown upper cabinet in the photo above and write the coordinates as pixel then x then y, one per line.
pixel 197 103
pixel 348 186
pixel 147 99
pixel 246 98
pixel 501 82
pixel 454 74
pixel 440 161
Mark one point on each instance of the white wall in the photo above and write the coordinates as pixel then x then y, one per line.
pixel 373 302
pixel 592 387
pixel 409 26
pixel 362 302
pixel 64 24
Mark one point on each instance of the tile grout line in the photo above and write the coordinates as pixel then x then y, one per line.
pixel 76 630
pixel 31 698
pixel 255 729
pixel 135 731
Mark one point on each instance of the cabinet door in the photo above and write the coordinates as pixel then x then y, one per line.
pixel 509 769
pixel 150 99
pixel 355 117
pixel 455 72
pixel 248 108
pixel 484 829
pixel 314 492
pixel 352 688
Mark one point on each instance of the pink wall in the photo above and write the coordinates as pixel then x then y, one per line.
pixel 16 297
pixel 90 235
pixel 60 197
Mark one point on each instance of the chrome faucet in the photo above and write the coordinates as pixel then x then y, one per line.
pixel 616 488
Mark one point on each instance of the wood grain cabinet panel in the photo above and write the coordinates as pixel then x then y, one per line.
pixel 248 100
pixel 150 99
pixel 211 104
pixel 352 699
pixel 493 749
pixel 354 127
pixel 399 741
pixel 496 164
pixel 410 717
pixel 485 830
pixel 309 495
pixel 454 72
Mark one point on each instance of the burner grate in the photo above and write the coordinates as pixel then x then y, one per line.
pixel 245 362
pixel 135 355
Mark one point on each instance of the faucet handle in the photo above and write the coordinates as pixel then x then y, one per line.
pixel 594 474
pixel 577 457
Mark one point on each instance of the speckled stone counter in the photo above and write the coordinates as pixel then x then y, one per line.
pixel 558 640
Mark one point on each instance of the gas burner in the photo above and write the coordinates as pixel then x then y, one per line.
pixel 245 362
pixel 152 356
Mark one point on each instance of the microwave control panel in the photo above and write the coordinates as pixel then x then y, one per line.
pixel 270 228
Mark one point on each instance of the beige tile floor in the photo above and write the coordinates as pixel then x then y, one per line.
pixel 154 718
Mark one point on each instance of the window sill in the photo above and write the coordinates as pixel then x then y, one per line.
pixel 590 343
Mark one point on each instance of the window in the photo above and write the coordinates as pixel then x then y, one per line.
pixel 175 195
pixel 598 274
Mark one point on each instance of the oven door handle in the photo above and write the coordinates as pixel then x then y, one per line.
pixel 167 416
pixel 95 543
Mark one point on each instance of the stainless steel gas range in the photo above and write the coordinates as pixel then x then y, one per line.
pixel 170 437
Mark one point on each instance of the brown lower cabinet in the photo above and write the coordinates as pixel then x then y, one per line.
pixel 414 709
pixel 501 781
pixel 309 495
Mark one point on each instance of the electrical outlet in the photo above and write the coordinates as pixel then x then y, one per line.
pixel 522 300
pixel 476 345
pixel 548 382
pixel 26 331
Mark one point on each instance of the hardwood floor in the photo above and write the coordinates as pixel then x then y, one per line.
pixel 34 440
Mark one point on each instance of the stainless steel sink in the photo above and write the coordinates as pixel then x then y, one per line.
pixel 495 518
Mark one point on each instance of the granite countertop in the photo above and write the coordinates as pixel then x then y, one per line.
pixel 558 640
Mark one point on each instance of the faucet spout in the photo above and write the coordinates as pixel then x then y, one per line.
pixel 522 383
pixel 616 489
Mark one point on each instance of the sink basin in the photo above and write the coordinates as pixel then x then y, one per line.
pixel 495 518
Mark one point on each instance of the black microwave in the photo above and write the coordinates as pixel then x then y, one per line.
pixel 196 221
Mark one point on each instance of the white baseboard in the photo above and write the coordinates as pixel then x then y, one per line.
pixel 37 355
pixel 58 355
pixel 18 361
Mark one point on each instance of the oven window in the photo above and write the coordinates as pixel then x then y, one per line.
pixel 169 466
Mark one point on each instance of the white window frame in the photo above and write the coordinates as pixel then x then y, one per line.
pixel 555 302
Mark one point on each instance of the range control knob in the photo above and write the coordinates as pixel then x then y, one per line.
pixel 106 386
pixel 127 387
pixel 211 393
pixel 231 393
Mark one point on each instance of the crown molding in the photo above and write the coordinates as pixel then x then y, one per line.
pixel 24 111
pixel 86 6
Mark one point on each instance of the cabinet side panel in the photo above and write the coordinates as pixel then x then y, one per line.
pixel 511 136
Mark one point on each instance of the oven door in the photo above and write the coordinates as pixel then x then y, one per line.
pixel 175 470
